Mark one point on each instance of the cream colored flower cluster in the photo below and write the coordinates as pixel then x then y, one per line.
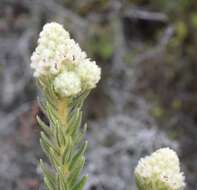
pixel 50 52
pixel 160 171
pixel 67 84
pixel 59 56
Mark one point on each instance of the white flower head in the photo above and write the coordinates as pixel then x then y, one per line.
pixel 67 84
pixel 59 56
pixel 48 55
pixel 89 73
pixel 55 51
pixel 160 171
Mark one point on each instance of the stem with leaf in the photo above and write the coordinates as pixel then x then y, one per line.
pixel 62 139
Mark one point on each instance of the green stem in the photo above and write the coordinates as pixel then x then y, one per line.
pixel 62 111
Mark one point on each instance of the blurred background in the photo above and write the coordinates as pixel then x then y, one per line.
pixel 147 97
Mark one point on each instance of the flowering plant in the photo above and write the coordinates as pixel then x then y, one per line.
pixel 65 76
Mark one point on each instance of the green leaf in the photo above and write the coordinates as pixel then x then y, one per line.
pixel 61 184
pixel 48 175
pixel 74 123
pixel 48 143
pixel 52 114
pixel 44 147
pixel 60 139
pixel 78 102
pixel 42 106
pixel 80 185
pixel 54 158
pixel 47 184
pixel 78 155
pixel 80 136
pixel 52 93
pixel 72 116
pixel 67 151
pixel 43 126
pixel 75 172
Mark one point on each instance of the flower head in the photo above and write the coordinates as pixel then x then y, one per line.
pixel 160 171
pixel 61 58
pixel 67 84
pixel 89 73
pixel 55 51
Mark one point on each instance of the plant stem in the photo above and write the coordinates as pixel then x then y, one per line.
pixel 62 110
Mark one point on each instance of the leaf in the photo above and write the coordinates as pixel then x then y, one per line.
pixel 44 147
pixel 52 114
pixel 48 143
pixel 48 175
pixel 79 137
pixel 42 105
pixel 62 180
pixel 47 184
pixel 60 133
pixel 52 93
pixel 43 126
pixel 75 172
pixel 74 123
pixel 78 155
pixel 80 185
pixel 73 115
pixel 78 102
pixel 53 158
pixel 67 151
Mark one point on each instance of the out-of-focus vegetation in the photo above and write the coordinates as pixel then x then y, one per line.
pixel 172 77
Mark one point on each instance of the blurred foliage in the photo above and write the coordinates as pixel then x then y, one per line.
pixel 100 43
pixel 87 6
pixel 173 77
pixel 157 111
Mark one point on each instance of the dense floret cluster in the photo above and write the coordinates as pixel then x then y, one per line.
pixel 60 57
pixel 160 171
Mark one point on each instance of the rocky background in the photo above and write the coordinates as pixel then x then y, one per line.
pixel 147 97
